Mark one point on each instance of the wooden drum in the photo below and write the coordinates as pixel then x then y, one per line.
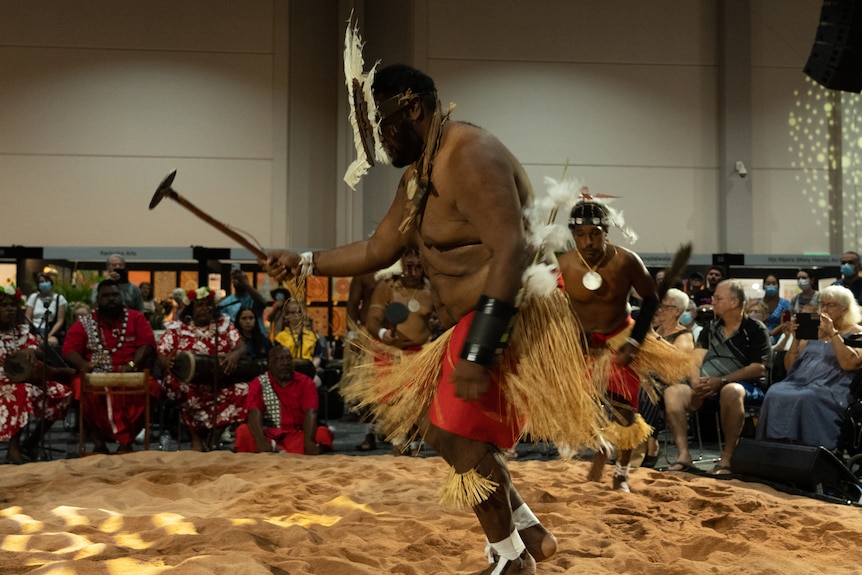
pixel 200 369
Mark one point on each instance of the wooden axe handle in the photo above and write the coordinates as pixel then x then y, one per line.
pixel 220 226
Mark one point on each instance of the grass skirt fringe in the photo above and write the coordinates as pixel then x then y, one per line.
pixel 546 378
pixel 628 436
pixel 656 361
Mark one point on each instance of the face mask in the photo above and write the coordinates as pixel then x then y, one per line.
pixel 803 283
pixel 847 270
pixel 685 318
pixel 771 290
pixel 45 286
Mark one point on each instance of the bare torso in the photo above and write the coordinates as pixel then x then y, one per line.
pixel 449 238
pixel 605 309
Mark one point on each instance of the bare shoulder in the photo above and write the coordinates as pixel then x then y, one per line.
pixel 470 143
pixel 477 158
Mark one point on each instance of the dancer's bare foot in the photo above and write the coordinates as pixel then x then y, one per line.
pixel 598 467
pixel 523 565
pixel 540 542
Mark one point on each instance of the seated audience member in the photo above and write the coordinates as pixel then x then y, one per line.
pixel 667 326
pixel 244 296
pixel 704 295
pixel 18 401
pixel 806 281
pixel 775 307
pixel 256 344
pixel 757 309
pixel 282 412
pixel 79 310
pixel 694 284
pixel 207 334
pixel 302 342
pixel 115 269
pixel 808 406
pixel 46 311
pixel 689 319
pixel 148 301
pixel 737 355
pixel 850 278
pixel 278 297
pixel 111 339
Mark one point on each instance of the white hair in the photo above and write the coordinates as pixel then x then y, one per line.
pixel 843 296
pixel 678 299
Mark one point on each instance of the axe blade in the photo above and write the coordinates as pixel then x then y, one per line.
pixel 163 190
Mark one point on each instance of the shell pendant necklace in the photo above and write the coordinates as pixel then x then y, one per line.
pixel 592 280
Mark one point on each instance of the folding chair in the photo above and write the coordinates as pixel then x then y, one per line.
pixel 108 384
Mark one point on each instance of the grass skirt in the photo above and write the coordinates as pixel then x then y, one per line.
pixel 546 378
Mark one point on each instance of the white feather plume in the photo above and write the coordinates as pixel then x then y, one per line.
pixel 540 279
pixel 389 273
pixel 353 70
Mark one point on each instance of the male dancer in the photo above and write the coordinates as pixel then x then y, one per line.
pixel 599 277
pixel 459 202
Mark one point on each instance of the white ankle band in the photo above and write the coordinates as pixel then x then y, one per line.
pixel 524 517
pixel 509 548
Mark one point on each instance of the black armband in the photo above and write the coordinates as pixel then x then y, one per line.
pixel 489 332
pixel 644 320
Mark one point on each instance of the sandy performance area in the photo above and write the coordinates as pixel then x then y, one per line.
pixel 224 513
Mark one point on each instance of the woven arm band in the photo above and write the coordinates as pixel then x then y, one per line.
pixel 489 332
pixel 644 320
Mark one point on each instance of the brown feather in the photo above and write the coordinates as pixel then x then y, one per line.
pixel 673 273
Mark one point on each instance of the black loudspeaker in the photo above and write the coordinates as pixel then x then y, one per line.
pixel 811 469
pixel 836 57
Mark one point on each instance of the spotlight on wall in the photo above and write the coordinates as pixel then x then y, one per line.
pixel 741 169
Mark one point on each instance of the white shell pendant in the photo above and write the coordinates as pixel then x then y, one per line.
pixel 414 305
pixel 592 281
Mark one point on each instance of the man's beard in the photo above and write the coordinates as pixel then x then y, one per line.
pixel 112 311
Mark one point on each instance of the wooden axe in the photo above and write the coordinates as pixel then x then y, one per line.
pixel 165 190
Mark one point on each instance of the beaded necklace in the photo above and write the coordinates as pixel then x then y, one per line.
pixel 96 339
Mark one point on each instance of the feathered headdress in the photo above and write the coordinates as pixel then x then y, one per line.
pixel 596 207
pixel 363 110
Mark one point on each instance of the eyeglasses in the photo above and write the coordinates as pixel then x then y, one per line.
pixel 665 306
pixel 830 305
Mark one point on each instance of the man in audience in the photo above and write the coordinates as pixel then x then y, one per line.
pixel 694 284
pixel 111 339
pixel 282 411
pixel 244 295
pixel 850 279
pixel 704 295
pixel 737 354
pixel 115 269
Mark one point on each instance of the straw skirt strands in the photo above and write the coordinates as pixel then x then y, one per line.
pixel 546 378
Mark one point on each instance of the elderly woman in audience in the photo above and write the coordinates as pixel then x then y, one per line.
pixel 666 324
pixel 208 333
pixel 808 406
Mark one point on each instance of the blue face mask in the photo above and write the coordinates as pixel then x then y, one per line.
pixel 848 270
pixel 685 318
pixel 45 286
pixel 771 290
